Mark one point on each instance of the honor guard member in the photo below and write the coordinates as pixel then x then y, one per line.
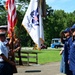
pixel 67 43
pixel 3 28
pixel 6 66
pixel 72 51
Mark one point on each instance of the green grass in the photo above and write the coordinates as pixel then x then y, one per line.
pixel 46 56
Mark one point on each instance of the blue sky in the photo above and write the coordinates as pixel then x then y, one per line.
pixel 66 5
pixel 2 1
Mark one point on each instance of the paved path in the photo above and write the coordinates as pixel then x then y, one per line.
pixel 46 69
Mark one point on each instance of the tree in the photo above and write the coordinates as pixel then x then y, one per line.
pixel 56 21
pixel 3 13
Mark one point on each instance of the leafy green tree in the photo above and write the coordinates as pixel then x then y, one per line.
pixel 56 21
pixel 3 17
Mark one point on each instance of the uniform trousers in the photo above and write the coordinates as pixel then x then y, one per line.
pixel 6 68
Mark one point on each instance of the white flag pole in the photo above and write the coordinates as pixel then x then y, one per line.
pixel 41 23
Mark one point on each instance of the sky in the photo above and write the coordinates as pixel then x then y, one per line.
pixel 66 5
pixel 1 1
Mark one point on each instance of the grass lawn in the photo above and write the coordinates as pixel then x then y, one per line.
pixel 46 55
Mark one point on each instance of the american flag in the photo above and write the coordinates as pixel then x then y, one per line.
pixel 12 17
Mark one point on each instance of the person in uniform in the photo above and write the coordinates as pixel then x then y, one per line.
pixel 3 28
pixel 6 66
pixel 66 49
pixel 67 45
pixel 72 51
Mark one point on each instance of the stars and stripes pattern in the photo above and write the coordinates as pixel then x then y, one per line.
pixel 12 17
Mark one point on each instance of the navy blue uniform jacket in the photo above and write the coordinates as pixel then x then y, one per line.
pixel 67 46
pixel 72 56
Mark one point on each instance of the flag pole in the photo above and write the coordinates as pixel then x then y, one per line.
pixel 13 58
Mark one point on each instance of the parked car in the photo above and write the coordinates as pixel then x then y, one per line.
pixel 56 42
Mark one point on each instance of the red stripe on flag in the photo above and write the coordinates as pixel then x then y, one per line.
pixel 12 18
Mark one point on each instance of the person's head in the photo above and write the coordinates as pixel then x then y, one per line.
pixel 67 32
pixel 3 28
pixel 73 30
pixel 2 36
